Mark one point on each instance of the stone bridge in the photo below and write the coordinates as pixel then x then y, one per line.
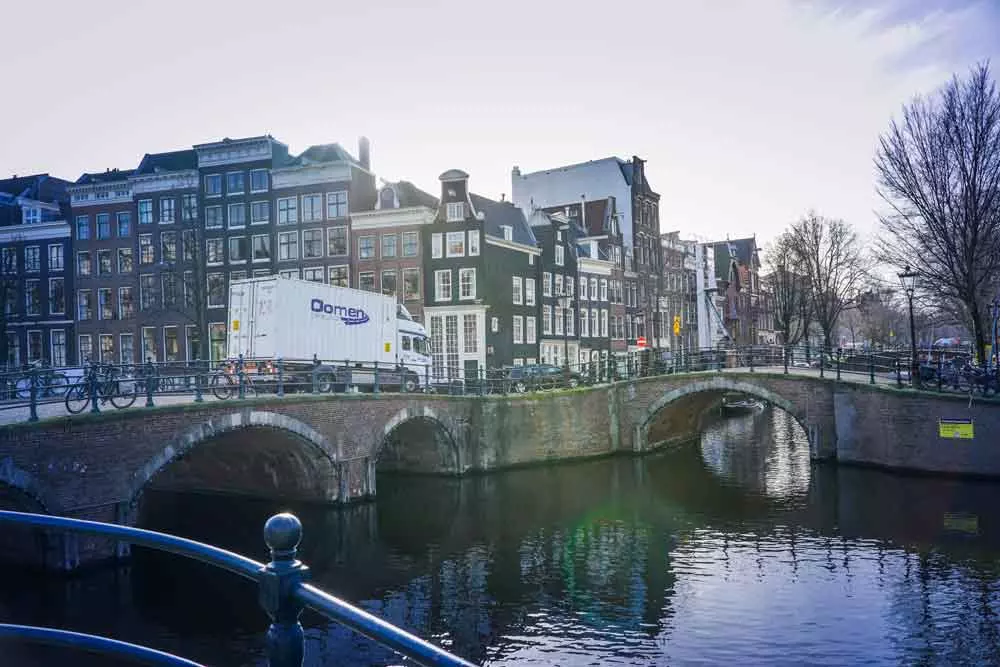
pixel 327 448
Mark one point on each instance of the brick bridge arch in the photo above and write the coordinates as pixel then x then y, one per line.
pixel 444 454
pixel 25 484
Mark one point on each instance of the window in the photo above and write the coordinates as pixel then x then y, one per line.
pixel 518 329
pixel 466 283
pixel 366 247
pixel 495 324
pixel 442 285
pixel 216 290
pixel 213 217
pixel 411 284
pixel 473 243
pixel 107 344
pixel 516 297
pixel 171 344
pixel 237 216
pixel 456 244
pixel 82 227
pixel 546 320
pixel 313 275
pixel 570 285
pixel 436 250
pixel 455 211
pixel 34 346
pixel 559 320
pixel 149 346
pixel 546 284
pixel 336 241
pixel 168 247
pixel 336 205
pixel 604 323
pixel 593 289
pixel 126 348
pixel 189 245
pixel 239 249
pixel 167 210
pixel 594 330
pixel 32 259
pixel 31 215
pixel 530 331
pixel 312 208
pixel 339 276
pixel 213 185
pixel 288 211
pixel 56 257
pixel 388 245
pixel 105 309
pixel 529 291
pixel 103 225
pixel 84 305
pixel 9 266
pixel 213 251
pixel 584 327
pixel 237 275
pixel 560 255
pixel 470 333
pixel 57 296
pixel 518 361
pixel 258 180
pixel 147 291
pixel 147 252
pixel 410 244
pixel 604 289
pixel 126 303
pixel 262 248
pixel 570 322
pixel 83 264
pixel 289 273
pixel 124 224
pixel 366 281
pixel 583 288
pixel 32 298
pixel 288 246
pixel 189 207
pixel 389 282
pixel 234 183
pixel 217 340
pixel 260 212
pixel 145 211
pixel 104 263
pixel 312 243
pixel 508 232
pixel 57 340
pixel 84 348
pixel 559 284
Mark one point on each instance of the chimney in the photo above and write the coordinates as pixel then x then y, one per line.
pixel 583 212
pixel 515 172
pixel 365 153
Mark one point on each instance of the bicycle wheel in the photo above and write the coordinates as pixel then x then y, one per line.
pixel 57 384
pixel 124 393
pixel 222 386
pixel 77 399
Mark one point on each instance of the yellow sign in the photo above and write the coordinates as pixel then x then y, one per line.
pixel 236 325
pixel 955 429
pixel 388 347
pixel 677 325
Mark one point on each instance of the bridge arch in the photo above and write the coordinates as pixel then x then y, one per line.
pixel 416 439
pixel 717 384
pixel 27 489
pixel 299 438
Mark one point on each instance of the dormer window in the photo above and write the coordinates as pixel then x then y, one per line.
pixel 387 198
pixel 508 232
pixel 31 215
pixel 456 211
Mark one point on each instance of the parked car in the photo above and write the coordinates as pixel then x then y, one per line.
pixel 541 376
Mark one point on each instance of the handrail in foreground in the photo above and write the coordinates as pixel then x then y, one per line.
pixel 283 595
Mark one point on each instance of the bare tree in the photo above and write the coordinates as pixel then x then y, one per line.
pixel 788 287
pixel 828 253
pixel 10 290
pixel 938 170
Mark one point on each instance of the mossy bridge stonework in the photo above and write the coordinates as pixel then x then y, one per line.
pixel 327 448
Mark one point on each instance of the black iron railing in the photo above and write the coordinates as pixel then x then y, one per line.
pixel 284 593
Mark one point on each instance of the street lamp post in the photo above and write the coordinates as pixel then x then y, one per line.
pixel 565 302
pixel 908 279
pixel 994 338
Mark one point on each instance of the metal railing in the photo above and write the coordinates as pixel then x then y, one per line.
pixel 283 594
pixel 98 387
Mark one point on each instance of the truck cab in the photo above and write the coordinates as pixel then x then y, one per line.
pixel 412 344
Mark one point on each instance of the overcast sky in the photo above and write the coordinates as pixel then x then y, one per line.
pixel 748 113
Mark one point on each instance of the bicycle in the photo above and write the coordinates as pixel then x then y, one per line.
pixel 48 382
pixel 226 383
pixel 111 386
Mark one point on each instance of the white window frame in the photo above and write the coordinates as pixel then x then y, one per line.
pixel 121 347
pixel 221 256
pixel 270 250
pixel 57 312
pixel 220 220
pixel 584 323
pixel 331 200
pixel 347 241
pixel 289 273
pixel 593 289
pixel 508 232
pixel 559 320
pixel 121 302
pixel 347 273
pixel 546 283
pixel 495 324
pixel 604 324
pixel 560 255
pixel 416 245
pixel 473 247
pixel 462 274
pixel 266 180
pixel 374 254
pixel 546 320
pixel 302 207
pixel 455 211
pixel 322 242
pixel 604 289
pixel 436 246
pixel 229 215
pixel 294 256
pixel 439 292
pixel 206 182
pixel 571 322
pixel 453 237
pixel 62 257
pixel 291 211
pixel 557 288
pixel 517 293
pixel 382 246
pixel 208 290
pixel 530 330
pixel 583 288
pixel 242 190
pixel 267 216
pixel 517 330
pixel 375 286
pixel 229 250
pixel 529 291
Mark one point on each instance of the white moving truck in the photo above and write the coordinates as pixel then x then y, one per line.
pixel 335 334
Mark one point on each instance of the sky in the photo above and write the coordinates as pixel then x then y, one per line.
pixel 748 113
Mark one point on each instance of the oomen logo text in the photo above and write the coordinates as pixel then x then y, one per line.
pixel 349 316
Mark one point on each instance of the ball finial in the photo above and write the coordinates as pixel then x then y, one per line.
pixel 282 534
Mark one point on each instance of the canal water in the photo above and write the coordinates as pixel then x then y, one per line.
pixel 734 549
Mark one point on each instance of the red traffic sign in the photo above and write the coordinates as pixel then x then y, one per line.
pixel 641 341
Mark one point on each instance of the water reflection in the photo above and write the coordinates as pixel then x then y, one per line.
pixel 734 550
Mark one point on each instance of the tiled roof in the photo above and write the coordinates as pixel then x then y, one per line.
pixel 153 163
pixel 504 213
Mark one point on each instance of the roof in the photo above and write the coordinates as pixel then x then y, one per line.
pixel 324 153
pixel 745 251
pixel 109 176
pixel 40 187
pixel 154 163
pixel 453 175
pixel 410 195
pixel 501 213
pixel 20 185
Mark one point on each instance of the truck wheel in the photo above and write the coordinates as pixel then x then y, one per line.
pixel 410 384
pixel 324 383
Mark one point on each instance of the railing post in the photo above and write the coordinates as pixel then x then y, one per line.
pixel 871 367
pixel 751 358
pixel 899 375
pixel 822 360
pixel 839 352
pixel 281 377
pixel 376 389
pixel 482 381
pixel 240 376
pixel 784 357
pixel 198 398
pixel 33 395
pixel 939 371
pixel 279 579
pixel 92 389
pixel 150 379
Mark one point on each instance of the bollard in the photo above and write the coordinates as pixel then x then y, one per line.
pixel 92 389
pixel 33 395
pixel 241 377
pixel 285 638
pixel 376 389
pixel 150 379
pixel 198 398
pixel 871 367
pixel 281 378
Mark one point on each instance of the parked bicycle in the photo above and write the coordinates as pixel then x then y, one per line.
pixel 226 383
pixel 117 386
pixel 48 382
